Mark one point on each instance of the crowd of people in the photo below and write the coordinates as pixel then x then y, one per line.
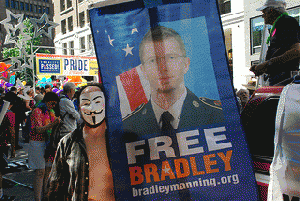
pixel 36 114
pixel 80 116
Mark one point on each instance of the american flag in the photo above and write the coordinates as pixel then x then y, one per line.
pixel 133 89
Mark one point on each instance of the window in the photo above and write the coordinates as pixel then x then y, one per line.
pixel 295 13
pixel 257 26
pixel 70 23
pixel 35 8
pixel 30 8
pixel 81 19
pixel 12 4
pixel 225 6
pixel 63 26
pixel 69 3
pixel 65 52
pixel 62 5
pixel 71 46
pixel 47 10
pixel 40 9
pixel 82 44
pixel 7 3
pixel 16 5
pixel 79 1
pixel 27 6
pixel 21 5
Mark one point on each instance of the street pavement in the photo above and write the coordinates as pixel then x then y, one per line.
pixel 18 179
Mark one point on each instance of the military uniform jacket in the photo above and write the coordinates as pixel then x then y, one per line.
pixel 195 112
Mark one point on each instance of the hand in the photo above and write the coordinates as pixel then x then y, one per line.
pixel 259 69
pixel 252 69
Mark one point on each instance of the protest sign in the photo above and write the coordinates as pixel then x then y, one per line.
pixel 174 131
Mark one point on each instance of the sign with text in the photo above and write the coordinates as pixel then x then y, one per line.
pixel 174 130
pixel 66 65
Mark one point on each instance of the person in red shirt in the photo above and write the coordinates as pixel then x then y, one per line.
pixel 43 119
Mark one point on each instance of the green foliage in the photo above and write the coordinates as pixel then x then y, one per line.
pixel 26 74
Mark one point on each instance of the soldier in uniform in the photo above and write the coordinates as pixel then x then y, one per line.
pixel 164 64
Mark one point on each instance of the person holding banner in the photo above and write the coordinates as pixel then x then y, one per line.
pixel 164 64
pixel 283 54
pixel 81 169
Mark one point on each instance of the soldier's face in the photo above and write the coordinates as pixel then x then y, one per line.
pixel 164 65
pixel 92 106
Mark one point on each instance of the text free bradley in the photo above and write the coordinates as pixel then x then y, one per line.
pixel 182 167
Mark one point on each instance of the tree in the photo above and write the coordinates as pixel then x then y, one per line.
pixel 29 47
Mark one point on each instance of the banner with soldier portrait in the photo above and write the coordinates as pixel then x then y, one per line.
pixel 174 131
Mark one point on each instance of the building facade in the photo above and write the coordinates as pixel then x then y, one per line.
pixel 73 36
pixel 243 31
pixel 30 9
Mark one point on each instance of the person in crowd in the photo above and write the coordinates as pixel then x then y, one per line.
pixel 58 85
pixel 39 96
pixel 48 88
pixel 284 51
pixel 29 102
pixel 243 95
pixel 76 100
pixel 43 92
pixel 7 136
pixel 9 128
pixel 20 91
pixel 87 174
pixel 67 109
pixel 43 120
pixel 19 110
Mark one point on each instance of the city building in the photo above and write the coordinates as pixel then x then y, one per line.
pixel 73 36
pixel 30 9
pixel 243 28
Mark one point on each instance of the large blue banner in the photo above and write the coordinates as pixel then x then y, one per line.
pixel 173 124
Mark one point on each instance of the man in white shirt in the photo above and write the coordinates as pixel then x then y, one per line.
pixel 67 109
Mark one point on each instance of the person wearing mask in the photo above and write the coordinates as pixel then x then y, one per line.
pixel 87 175
pixel 284 44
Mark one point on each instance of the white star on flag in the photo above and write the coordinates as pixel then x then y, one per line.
pixel 128 50
pixel 166 170
pixel 110 41
pixel 134 30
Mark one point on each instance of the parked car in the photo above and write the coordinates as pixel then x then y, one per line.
pixel 258 118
